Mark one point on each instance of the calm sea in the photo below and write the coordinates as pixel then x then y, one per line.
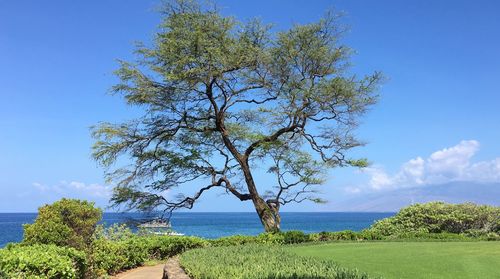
pixel 213 225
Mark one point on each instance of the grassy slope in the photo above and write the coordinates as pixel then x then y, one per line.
pixel 413 259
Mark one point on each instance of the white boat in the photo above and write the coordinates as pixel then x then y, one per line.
pixel 158 227
pixel 156 223
pixel 172 233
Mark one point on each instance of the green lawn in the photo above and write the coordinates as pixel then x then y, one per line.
pixel 413 259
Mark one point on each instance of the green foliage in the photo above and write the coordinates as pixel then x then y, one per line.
pixel 440 217
pixel 233 240
pixel 257 261
pixel 162 247
pixel 270 238
pixel 114 232
pixel 42 261
pixel 291 237
pixel 67 222
pixel 115 250
pixel 219 95
pixel 334 236
pixel 108 257
pixel 286 237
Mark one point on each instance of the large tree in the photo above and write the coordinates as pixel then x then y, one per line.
pixel 223 99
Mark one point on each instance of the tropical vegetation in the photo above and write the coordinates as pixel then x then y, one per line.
pixel 53 246
pixel 439 217
pixel 67 222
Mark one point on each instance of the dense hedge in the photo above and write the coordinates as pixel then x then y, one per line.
pixel 41 261
pixel 111 256
pixel 259 261
pixel 106 256
pixel 287 237
pixel 439 217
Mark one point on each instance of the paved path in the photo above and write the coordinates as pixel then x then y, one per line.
pixel 172 267
pixel 143 272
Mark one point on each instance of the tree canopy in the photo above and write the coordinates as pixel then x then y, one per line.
pixel 223 98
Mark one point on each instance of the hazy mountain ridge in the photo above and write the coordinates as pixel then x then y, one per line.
pixel 393 200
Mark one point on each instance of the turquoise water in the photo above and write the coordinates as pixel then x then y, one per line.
pixel 213 225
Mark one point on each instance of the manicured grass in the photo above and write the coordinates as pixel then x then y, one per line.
pixel 412 259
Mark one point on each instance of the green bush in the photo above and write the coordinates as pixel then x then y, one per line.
pixel 42 261
pixel 440 217
pixel 259 261
pixel 429 236
pixel 111 256
pixel 163 247
pixel 107 257
pixel 286 237
pixel 233 240
pixel 67 222
pixel 370 235
pixel 291 237
pixel 270 238
pixel 344 235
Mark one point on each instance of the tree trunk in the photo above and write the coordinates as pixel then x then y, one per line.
pixel 268 213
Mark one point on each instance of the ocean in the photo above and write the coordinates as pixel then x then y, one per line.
pixel 213 225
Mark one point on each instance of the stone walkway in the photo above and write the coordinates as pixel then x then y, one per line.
pixel 170 270
pixel 174 270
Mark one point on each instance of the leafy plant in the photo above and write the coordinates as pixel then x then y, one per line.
pixel 223 98
pixel 259 261
pixel 67 222
pixel 290 237
pixel 440 217
pixel 110 256
pixel 42 261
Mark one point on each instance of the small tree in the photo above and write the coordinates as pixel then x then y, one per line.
pixel 67 222
pixel 223 99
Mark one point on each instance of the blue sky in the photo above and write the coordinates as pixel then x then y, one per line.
pixel 437 121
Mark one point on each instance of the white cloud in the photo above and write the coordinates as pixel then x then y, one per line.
pixel 75 189
pixel 352 190
pixel 443 166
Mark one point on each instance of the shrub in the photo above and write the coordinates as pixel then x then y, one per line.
pixel 259 261
pixel 430 236
pixel 233 240
pixel 270 238
pixel 111 256
pixel 67 222
pixel 114 232
pixel 291 237
pixel 42 261
pixel 370 235
pixel 162 247
pixel 479 234
pixel 492 236
pixel 344 235
pixel 440 217
pixel 107 257
pixel 287 237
